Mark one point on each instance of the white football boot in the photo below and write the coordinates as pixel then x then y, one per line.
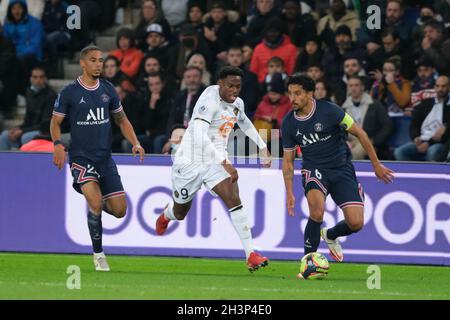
pixel 100 262
pixel 334 246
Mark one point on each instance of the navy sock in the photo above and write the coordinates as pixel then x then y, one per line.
pixel 312 236
pixel 341 229
pixel 96 231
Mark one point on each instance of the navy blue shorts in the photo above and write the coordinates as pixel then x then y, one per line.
pixel 104 173
pixel 341 183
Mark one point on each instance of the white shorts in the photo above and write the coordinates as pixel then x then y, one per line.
pixel 187 179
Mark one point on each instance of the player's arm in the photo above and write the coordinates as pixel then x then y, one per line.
pixel 250 131
pixel 59 153
pixel 128 132
pixel 382 173
pixel 288 176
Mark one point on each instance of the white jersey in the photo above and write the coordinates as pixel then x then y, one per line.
pixel 221 116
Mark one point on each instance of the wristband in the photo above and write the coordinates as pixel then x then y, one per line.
pixel 56 142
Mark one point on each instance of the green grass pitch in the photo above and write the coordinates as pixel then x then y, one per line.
pixel 44 276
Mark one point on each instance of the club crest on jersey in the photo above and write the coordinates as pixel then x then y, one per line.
pixel 105 98
pixel 318 127
pixel 236 111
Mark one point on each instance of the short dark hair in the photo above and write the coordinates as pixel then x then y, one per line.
pixel 113 59
pixel 276 60
pixel 88 49
pixel 390 31
pixel 302 80
pixel 355 76
pixel 39 67
pixel 436 25
pixel 156 75
pixel 230 71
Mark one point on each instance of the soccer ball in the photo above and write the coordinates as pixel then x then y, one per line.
pixel 314 265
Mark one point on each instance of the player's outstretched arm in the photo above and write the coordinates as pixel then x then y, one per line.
pixel 128 132
pixel 288 175
pixel 250 131
pixel 59 154
pixel 384 174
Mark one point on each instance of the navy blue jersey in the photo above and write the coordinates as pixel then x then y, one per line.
pixel 89 111
pixel 321 136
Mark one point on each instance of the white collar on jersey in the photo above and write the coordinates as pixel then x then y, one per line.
pixel 95 87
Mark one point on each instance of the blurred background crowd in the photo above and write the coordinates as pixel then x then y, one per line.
pixel 161 54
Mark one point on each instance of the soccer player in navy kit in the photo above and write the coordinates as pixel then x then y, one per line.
pixel 319 128
pixel 88 103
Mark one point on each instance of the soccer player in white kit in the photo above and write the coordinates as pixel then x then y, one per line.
pixel 202 158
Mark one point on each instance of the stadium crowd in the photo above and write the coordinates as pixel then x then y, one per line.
pixel 393 80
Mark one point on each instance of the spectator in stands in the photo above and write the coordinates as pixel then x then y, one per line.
pixel 265 11
pixel 112 73
pixel 190 41
pixel 391 88
pixel 436 46
pixel 150 13
pixel 35 8
pixel 129 56
pixel 247 54
pixel 274 65
pixel 219 32
pixel 312 54
pixel 156 45
pixel 369 115
pixel 133 106
pixel 429 126
pixel 443 7
pixel 157 104
pixel 197 59
pixel 315 71
pixel 175 11
pixel 250 91
pixel 273 106
pixel 322 91
pixel 352 67
pixel 427 13
pixel 42 142
pixel 333 59
pixel 39 107
pixel 338 16
pixel 371 38
pixel 298 26
pixel 423 84
pixel 150 65
pixel 274 44
pixel 184 102
pixel 195 16
pixel 27 34
pixel 176 134
pixel 91 21
pixel 58 37
pixel 8 76
pixel 392 46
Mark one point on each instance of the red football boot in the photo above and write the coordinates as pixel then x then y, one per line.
pixel 256 261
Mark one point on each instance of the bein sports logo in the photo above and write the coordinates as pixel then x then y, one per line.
pixel 94 118
pixel 208 227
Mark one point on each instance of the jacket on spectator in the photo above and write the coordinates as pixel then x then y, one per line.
pixel 327 24
pixel 276 111
pixel 39 143
pixel 395 96
pixel 440 55
pixel 420 113
pixel 130 60
pixel 333 62
pixel 7 73
pixel 365 35
pixel 302 29
pixel 376 121
pixel 55 17
pixel 27 35
pixel 225 34
pixel 256 26
pixel 39 108
pixel 156 120
pixel 178 107
pixel 250 92
pixel 262 54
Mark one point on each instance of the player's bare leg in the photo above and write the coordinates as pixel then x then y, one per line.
pixel 354 221
pixel 229 193
pixel 316 203
pixel 116 206
pixel 93 195
pixel 172 211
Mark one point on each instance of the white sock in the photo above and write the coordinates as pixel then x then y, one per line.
pixel 168 212
pixel 239 218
